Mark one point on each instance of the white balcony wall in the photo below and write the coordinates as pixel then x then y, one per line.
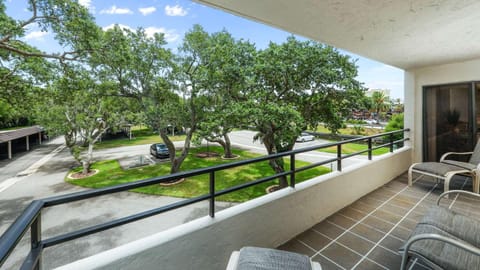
pixel 268 221
pixel 416 79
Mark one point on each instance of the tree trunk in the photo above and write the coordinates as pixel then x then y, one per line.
pixel 87 160
pixel 171 147
pixel 176 162
pixel 227 149
pixel 276 164
pixel 226 145
pixel 86 167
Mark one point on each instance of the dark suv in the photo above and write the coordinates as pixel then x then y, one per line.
pixel 159 150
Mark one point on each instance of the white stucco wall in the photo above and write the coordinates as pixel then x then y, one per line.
pixel 268 221
pixel 417 78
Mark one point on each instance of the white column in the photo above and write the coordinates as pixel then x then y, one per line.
pixel 40 138
pixel 28 143
pixel 9 149
pixel 412 108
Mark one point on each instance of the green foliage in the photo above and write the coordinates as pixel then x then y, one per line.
pixel 316 79
pixel 396 123
pixel 73 27
pixel 213 83
pixel 23 67
pixel 358 130
pixel 229 71
pixel 81 109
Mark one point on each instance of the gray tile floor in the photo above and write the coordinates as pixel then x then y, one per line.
pixel 368 233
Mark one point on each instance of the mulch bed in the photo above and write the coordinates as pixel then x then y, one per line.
pixel 207 154
pixel 233 157
pixel 80 175
pixel 273 188
pixel 166 184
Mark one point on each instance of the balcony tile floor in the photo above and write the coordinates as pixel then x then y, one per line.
pixel 368 233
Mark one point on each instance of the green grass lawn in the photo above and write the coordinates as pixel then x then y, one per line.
pixel 140 136
pixel 351 148
pixel 112 174
pixel 350 131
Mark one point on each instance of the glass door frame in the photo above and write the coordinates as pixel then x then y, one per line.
pixel 472 118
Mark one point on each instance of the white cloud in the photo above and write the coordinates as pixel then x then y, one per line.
pixel 170 35
pixel 85 3
pixel 175 10
pixel 122 26
pixel 115 10
pixel 147 10
pixel 35 35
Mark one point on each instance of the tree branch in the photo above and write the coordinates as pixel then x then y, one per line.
pixel 61 57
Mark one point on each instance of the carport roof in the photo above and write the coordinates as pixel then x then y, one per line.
pixel 10 135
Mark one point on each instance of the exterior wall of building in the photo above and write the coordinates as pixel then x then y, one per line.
pixel 268 221
pixel 416 79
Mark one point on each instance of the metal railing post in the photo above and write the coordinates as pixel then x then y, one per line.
pixel 391 143
pixel 339 157
pixel 369 148
pixel 292 170
pixel 36 238
pixel 212 194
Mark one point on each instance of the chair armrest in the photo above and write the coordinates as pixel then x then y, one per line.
pixel 473 194
pixel 444 156
pixel 233 261
pixel 431 236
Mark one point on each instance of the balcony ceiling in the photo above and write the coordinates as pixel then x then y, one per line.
pixel 401 33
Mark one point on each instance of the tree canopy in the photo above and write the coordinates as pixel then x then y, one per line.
pixel 212 84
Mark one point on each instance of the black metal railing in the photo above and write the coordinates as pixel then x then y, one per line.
pixel 31 216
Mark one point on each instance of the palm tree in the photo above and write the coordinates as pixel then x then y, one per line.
pixel 380 103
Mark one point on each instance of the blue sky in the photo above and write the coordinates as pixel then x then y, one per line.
pixel 174 18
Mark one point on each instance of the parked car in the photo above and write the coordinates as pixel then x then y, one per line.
pixel 305 137
pixel 159 150
pixel 371 121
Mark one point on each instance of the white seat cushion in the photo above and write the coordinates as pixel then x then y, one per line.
pixel 253 258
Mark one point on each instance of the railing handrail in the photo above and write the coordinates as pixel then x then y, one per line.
pixel 15 232
pixel 81 195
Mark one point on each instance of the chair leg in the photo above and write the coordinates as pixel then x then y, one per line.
pixel 446 185
pixel 410 174
pixel 476 182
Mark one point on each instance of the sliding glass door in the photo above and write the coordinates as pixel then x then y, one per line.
pixel 448 119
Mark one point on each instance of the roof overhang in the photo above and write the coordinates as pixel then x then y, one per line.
pixel 404 34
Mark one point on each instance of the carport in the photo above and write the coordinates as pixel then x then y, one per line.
pixel 27 135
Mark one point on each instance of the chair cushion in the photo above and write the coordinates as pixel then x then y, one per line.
pixel 440 253
pixel 254 258
pixel 437 168
pixel 465 165
pixel 458 225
